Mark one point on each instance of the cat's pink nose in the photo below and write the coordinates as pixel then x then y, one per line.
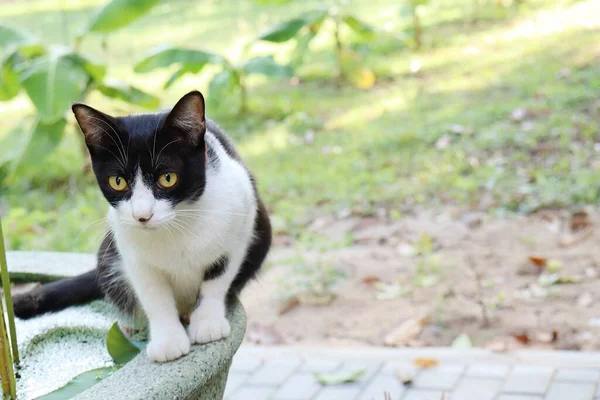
pixel 143 218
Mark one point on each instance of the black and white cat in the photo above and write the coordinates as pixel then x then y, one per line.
pixel 188 228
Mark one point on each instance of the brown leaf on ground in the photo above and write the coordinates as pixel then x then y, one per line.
pixel 264 335
pixel 539 261
pixel 406 331
pixel 533 266
pixel 288 305
pixel 522 337
pixel 425 362
pixel 580 220
pixel 369 280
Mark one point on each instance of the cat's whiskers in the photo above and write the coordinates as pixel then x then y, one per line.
pixel 203 212
pixel 152 161
pixel 164 147
pixel 104 148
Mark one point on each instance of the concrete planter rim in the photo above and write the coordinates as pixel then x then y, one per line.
pixel 201 374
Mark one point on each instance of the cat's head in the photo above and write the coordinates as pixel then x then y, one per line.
pixel 147 164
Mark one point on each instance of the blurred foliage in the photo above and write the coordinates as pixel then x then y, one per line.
pixel 56 76
pixel 499 115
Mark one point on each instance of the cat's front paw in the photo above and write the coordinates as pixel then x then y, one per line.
pixel 168 345
pixel 208 330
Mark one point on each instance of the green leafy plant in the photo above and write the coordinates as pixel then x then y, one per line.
pixel 55 76
pixel 305 27
pixel 231 78
pixel 413 9
pixel 9 352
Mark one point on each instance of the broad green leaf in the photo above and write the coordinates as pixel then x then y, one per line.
pixel 118 14
pixel 53 82
pixel 79 384
pixel 190 60
pixel 283 32
pixel 130 94
pixel 221 84
pixel 339 377
pixel 94 70
pixel 9 80
pixel 10 36
pixel 266 65
pixel 40 142
pixel 359 27
pixel 119 347
pixel 416 3
pixel 174 77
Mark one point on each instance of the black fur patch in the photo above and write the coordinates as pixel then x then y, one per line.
pixel 217 269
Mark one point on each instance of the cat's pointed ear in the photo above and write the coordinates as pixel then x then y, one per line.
pixel 93 123
pixel 188 117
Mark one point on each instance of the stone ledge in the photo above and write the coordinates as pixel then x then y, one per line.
pixel 199 375
pixel 43 266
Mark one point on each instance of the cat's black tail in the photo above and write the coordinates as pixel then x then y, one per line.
pixel 58 295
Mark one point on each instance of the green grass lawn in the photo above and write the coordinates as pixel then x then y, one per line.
pixel 499 115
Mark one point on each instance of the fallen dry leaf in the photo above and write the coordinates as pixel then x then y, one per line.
pixel 264 335
pixel 580 220
pixel 425 362
pixel 406 331
pixel 338 378
pixel 288 305
pixel 310 299
pixel 539 261
pixel 522 337
pixel 369 280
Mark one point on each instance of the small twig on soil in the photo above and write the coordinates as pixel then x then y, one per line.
pixel 479 297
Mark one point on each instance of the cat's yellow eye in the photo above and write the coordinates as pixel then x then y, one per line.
pixel 167 180
pixel 117 183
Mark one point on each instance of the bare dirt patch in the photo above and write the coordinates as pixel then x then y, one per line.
pixel 523 281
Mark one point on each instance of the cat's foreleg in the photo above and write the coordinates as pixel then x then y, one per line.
pixel 208 322
pixel 168 338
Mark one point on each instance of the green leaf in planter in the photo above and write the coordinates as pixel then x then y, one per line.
pixel 359 27
pixel 119 347
pixel 189 60
pixel 339 377
pixel 9 80
pixel 41 141
pixel 266 65
pixel 10 36
pixel 79 384
pixel 119 13
pixel 53 82
pixel 221 84
pixel 124 91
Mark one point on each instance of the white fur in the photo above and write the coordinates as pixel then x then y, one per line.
pixel 165 259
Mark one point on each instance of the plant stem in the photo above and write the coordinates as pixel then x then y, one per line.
pixel 6 366
pixel 339 49
pixel 243 94
pixel 8 299
pixel 417 28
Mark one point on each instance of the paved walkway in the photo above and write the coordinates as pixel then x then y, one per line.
pixel 472 374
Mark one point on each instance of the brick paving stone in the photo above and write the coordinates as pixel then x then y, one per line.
pixel 519 397
pixel 577 375
pixel 392 368
pixel 319 365
pixel 300 386
pixel 488 370
pixel 234 381
pixel 477 389
pixel 526 379
pixel 571 391
pixel 252 393
pixel 381 384
pixel 348 391
pixel 415 394
pixel 443 377
pixel 245 363
pixel 274 372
